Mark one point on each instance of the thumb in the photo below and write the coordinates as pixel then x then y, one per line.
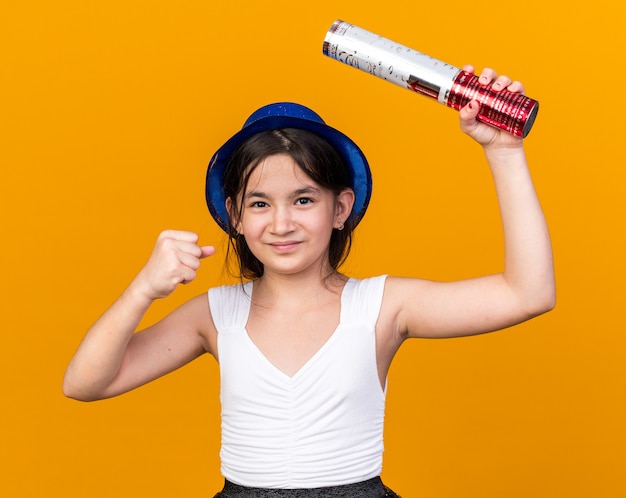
pixel 470 111
pixel 206 251
pixel 468 115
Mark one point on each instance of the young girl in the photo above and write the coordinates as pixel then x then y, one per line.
pixel 303 350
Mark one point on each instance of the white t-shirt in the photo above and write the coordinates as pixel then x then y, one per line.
pixel 322 426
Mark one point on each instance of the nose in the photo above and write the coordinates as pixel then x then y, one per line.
pixel 282 221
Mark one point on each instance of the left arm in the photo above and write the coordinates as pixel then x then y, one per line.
pixel 525 288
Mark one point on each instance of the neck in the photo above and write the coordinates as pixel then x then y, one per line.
pixel 291 289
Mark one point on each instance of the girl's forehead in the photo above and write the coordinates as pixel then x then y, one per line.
pixel 276 170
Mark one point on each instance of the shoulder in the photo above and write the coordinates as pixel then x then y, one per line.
pixel 368 282
pixel 362 298
pixel 399 289
pixel 227 299
pixel 229 306
pixel 401 296
pixel 367 291
pixel 230 290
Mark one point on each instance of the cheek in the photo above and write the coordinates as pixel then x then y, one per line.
pixel 251 225
pixel 323 228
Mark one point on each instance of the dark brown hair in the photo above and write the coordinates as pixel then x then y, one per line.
pixel 315 156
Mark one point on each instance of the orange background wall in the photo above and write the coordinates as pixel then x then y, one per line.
pixel 109 112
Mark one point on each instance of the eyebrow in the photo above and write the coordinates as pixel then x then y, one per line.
pixel 296 193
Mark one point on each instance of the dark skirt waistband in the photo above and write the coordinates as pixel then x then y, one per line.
pixel 372 488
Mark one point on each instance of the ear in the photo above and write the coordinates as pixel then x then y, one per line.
pixel 233 215
pixel 345 201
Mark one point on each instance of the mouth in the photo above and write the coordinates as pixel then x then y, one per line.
pixel 285 246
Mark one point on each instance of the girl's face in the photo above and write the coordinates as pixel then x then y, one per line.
pixel 287 218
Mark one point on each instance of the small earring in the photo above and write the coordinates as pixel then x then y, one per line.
pixel 340 226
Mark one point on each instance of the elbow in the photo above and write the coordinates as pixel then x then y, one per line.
pixel 69 391
pixel 79 396
pixel 542 302
pixel 549 296
pixel 551 302
pixel 73 390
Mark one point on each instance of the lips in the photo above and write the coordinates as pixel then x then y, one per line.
pixel 285 246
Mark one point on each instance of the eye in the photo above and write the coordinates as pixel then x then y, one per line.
pixel 302 201
pixel 258 204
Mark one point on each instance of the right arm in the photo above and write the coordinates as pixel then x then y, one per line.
pixel 113 359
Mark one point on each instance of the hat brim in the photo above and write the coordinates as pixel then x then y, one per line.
pixel 358 167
